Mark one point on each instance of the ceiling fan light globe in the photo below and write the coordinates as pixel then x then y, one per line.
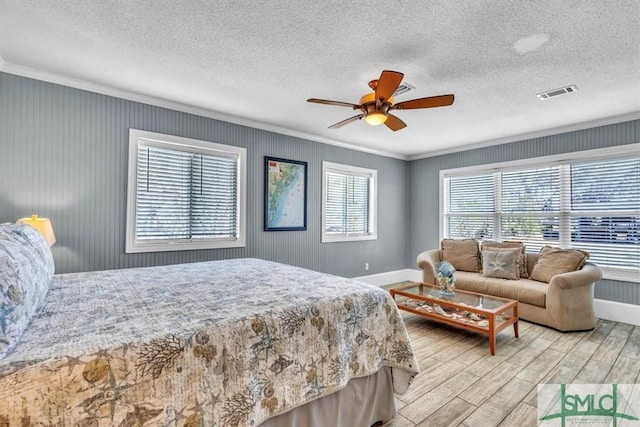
pixel 376 119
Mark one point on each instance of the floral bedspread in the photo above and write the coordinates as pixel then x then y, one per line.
pixel 219 343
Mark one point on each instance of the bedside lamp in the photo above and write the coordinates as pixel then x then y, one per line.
pixel 43 225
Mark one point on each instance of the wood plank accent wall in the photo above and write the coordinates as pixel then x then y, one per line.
pixel 63 154
pixel 424 176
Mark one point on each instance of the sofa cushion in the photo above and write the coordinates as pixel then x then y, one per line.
pixel 26 271
pixel 501 263
pixel 552 261
pixel 524 290
pixel 464 254
pixel 522 258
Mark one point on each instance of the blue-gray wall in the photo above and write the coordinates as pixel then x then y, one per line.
pixel 63 154
pixel 424 176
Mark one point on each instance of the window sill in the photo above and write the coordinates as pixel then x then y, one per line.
pixel 620 274
pixel 341 238
pixel 182 246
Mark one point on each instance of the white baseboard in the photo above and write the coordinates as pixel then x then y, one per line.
pixel 617 311
pixel 607 310
pixel 390 277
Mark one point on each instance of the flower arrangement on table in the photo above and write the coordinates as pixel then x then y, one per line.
pixel 445 276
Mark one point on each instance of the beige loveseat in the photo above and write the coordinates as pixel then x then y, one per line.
pixel 564 303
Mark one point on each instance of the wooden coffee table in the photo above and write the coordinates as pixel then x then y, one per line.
pixel 472 311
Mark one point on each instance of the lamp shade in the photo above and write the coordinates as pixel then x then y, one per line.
pixel 43 225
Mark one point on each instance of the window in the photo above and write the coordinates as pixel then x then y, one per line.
pixel 605 210
pixel 591 202
pixel 348 203
pixel 184 194
pixel 470 207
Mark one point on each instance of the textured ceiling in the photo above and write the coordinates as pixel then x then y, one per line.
pixel 257 62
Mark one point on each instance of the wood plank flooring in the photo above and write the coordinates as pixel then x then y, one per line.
pixel 461 384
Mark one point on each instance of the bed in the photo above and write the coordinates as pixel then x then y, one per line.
pixel 240 342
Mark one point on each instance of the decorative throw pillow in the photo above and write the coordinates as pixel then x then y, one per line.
pixel 552 261
pixel 464 254
pixel 26 271
pixel 501 263
pixel 522 257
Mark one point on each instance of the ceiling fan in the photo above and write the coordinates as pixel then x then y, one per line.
pixel 377 105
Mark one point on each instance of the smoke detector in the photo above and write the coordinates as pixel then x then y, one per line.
pixel 556 92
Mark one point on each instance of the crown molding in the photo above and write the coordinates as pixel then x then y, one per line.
pixel 32 73
pixel 531 135
pixel 35 74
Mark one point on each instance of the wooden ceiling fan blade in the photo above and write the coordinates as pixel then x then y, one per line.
pixel 346 121
pixel 430 102
pixel 338 103
pixel 387 84
pixel 394 123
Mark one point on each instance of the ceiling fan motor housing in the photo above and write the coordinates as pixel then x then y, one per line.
pixel 375 112
pixel 370 98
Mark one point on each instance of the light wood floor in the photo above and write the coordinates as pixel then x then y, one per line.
pixel 461 384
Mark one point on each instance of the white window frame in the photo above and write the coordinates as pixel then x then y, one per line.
pixel 613 273
pixel 134 245
pixel 372 174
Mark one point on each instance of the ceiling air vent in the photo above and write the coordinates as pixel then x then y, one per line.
pixel 403 88
pixel 555 92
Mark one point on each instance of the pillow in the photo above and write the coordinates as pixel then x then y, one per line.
pixel 464 255
pixel 552 261
pixel 501 263
pixel 26 271
pixel 522 257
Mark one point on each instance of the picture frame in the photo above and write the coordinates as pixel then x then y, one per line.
pixel 285 194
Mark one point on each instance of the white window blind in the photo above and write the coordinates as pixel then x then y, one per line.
pixel 184 196
pixel 590 205
pixel 605 211
pixel 530 206
pixel 348 203
pixel 470 207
